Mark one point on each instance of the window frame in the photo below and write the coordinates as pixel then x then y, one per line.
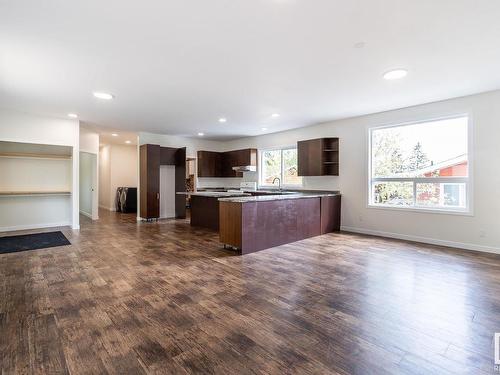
pixel 261 169
pixel 463 211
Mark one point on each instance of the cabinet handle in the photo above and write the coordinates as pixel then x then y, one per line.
pixel 157 195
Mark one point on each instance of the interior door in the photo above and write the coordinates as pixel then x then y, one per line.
pixel 167 191
pixel 88 185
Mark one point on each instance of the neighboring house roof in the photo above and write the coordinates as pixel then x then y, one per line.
pixel 461 159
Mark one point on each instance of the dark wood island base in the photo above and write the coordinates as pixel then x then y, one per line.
pixel 253 225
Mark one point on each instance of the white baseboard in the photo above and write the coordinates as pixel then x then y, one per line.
pixel 431 241
pixel 86 214
pixel 36 226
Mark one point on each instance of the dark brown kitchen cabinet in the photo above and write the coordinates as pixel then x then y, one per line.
pixel 220 164
pixel 150 181
pixel 209 164
pixel 318 157
pixel 151 158
pixel 330 214
pixel 247 156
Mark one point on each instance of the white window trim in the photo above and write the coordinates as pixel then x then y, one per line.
pixel 261 160
pixel 467 211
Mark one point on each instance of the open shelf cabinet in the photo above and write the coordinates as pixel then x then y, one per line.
pixel 318 157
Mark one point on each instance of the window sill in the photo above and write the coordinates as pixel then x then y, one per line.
pixel 425 210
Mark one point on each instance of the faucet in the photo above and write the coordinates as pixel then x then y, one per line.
pixel 279 182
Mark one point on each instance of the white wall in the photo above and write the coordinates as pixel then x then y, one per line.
pixel 446 229
pixel 89 140
pixel 27 128
pixel 104 177
pixel 118 167
pixel 123 169
pixel 192 144
pixel 28 174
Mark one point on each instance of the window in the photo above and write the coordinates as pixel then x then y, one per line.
pixel 423 165
pixel 280 163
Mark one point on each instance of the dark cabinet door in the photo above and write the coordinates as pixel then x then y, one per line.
pixel 209 164
pixel 150 181
pixel 220 164
pixel 330 214
pixel 228 160
pixel 310 157
pixel 243 157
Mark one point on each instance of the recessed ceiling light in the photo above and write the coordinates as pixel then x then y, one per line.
pixel 114 135
pixel 103 95
pixel 128 142
pixel 360 45
pixel 223 119
pixel 264 129
pixel 395 74
pixel 275 115
pixel 72 115
pixel 201 134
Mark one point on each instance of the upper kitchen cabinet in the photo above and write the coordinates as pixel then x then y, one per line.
pixel 318 157
pixel 220 164
pixel 209 164
pixel 238 158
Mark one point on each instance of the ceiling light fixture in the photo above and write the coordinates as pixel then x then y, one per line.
pixel 114 135
pixel 103 95
pixel 128 142
pixel 275 115
pixel 72 115
pixel 201 134
pixel 222 119
pixel 264 129
pixel 395 74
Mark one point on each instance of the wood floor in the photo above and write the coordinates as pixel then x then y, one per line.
pixel 164 298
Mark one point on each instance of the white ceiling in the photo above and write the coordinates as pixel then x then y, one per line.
pixel 176 66
pixel 111 136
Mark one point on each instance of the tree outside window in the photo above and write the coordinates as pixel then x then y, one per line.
pixel 421 165
pixel 282 164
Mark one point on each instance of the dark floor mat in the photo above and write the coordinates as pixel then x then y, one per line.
pixel 13 244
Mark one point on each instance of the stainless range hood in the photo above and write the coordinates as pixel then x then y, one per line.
pixel 245 168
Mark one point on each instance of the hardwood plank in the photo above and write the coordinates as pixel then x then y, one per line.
pixel 165 297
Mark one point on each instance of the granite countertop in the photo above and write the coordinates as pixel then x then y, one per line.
pixel 263 198
pixel 215 194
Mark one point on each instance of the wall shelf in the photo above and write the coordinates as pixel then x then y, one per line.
pixel 318 157
pixel 32 193
pixel 33 156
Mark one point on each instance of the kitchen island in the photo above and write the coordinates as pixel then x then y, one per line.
pixel 205 207
pixel 256 223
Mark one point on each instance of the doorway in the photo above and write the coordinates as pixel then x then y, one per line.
pixel 89 198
